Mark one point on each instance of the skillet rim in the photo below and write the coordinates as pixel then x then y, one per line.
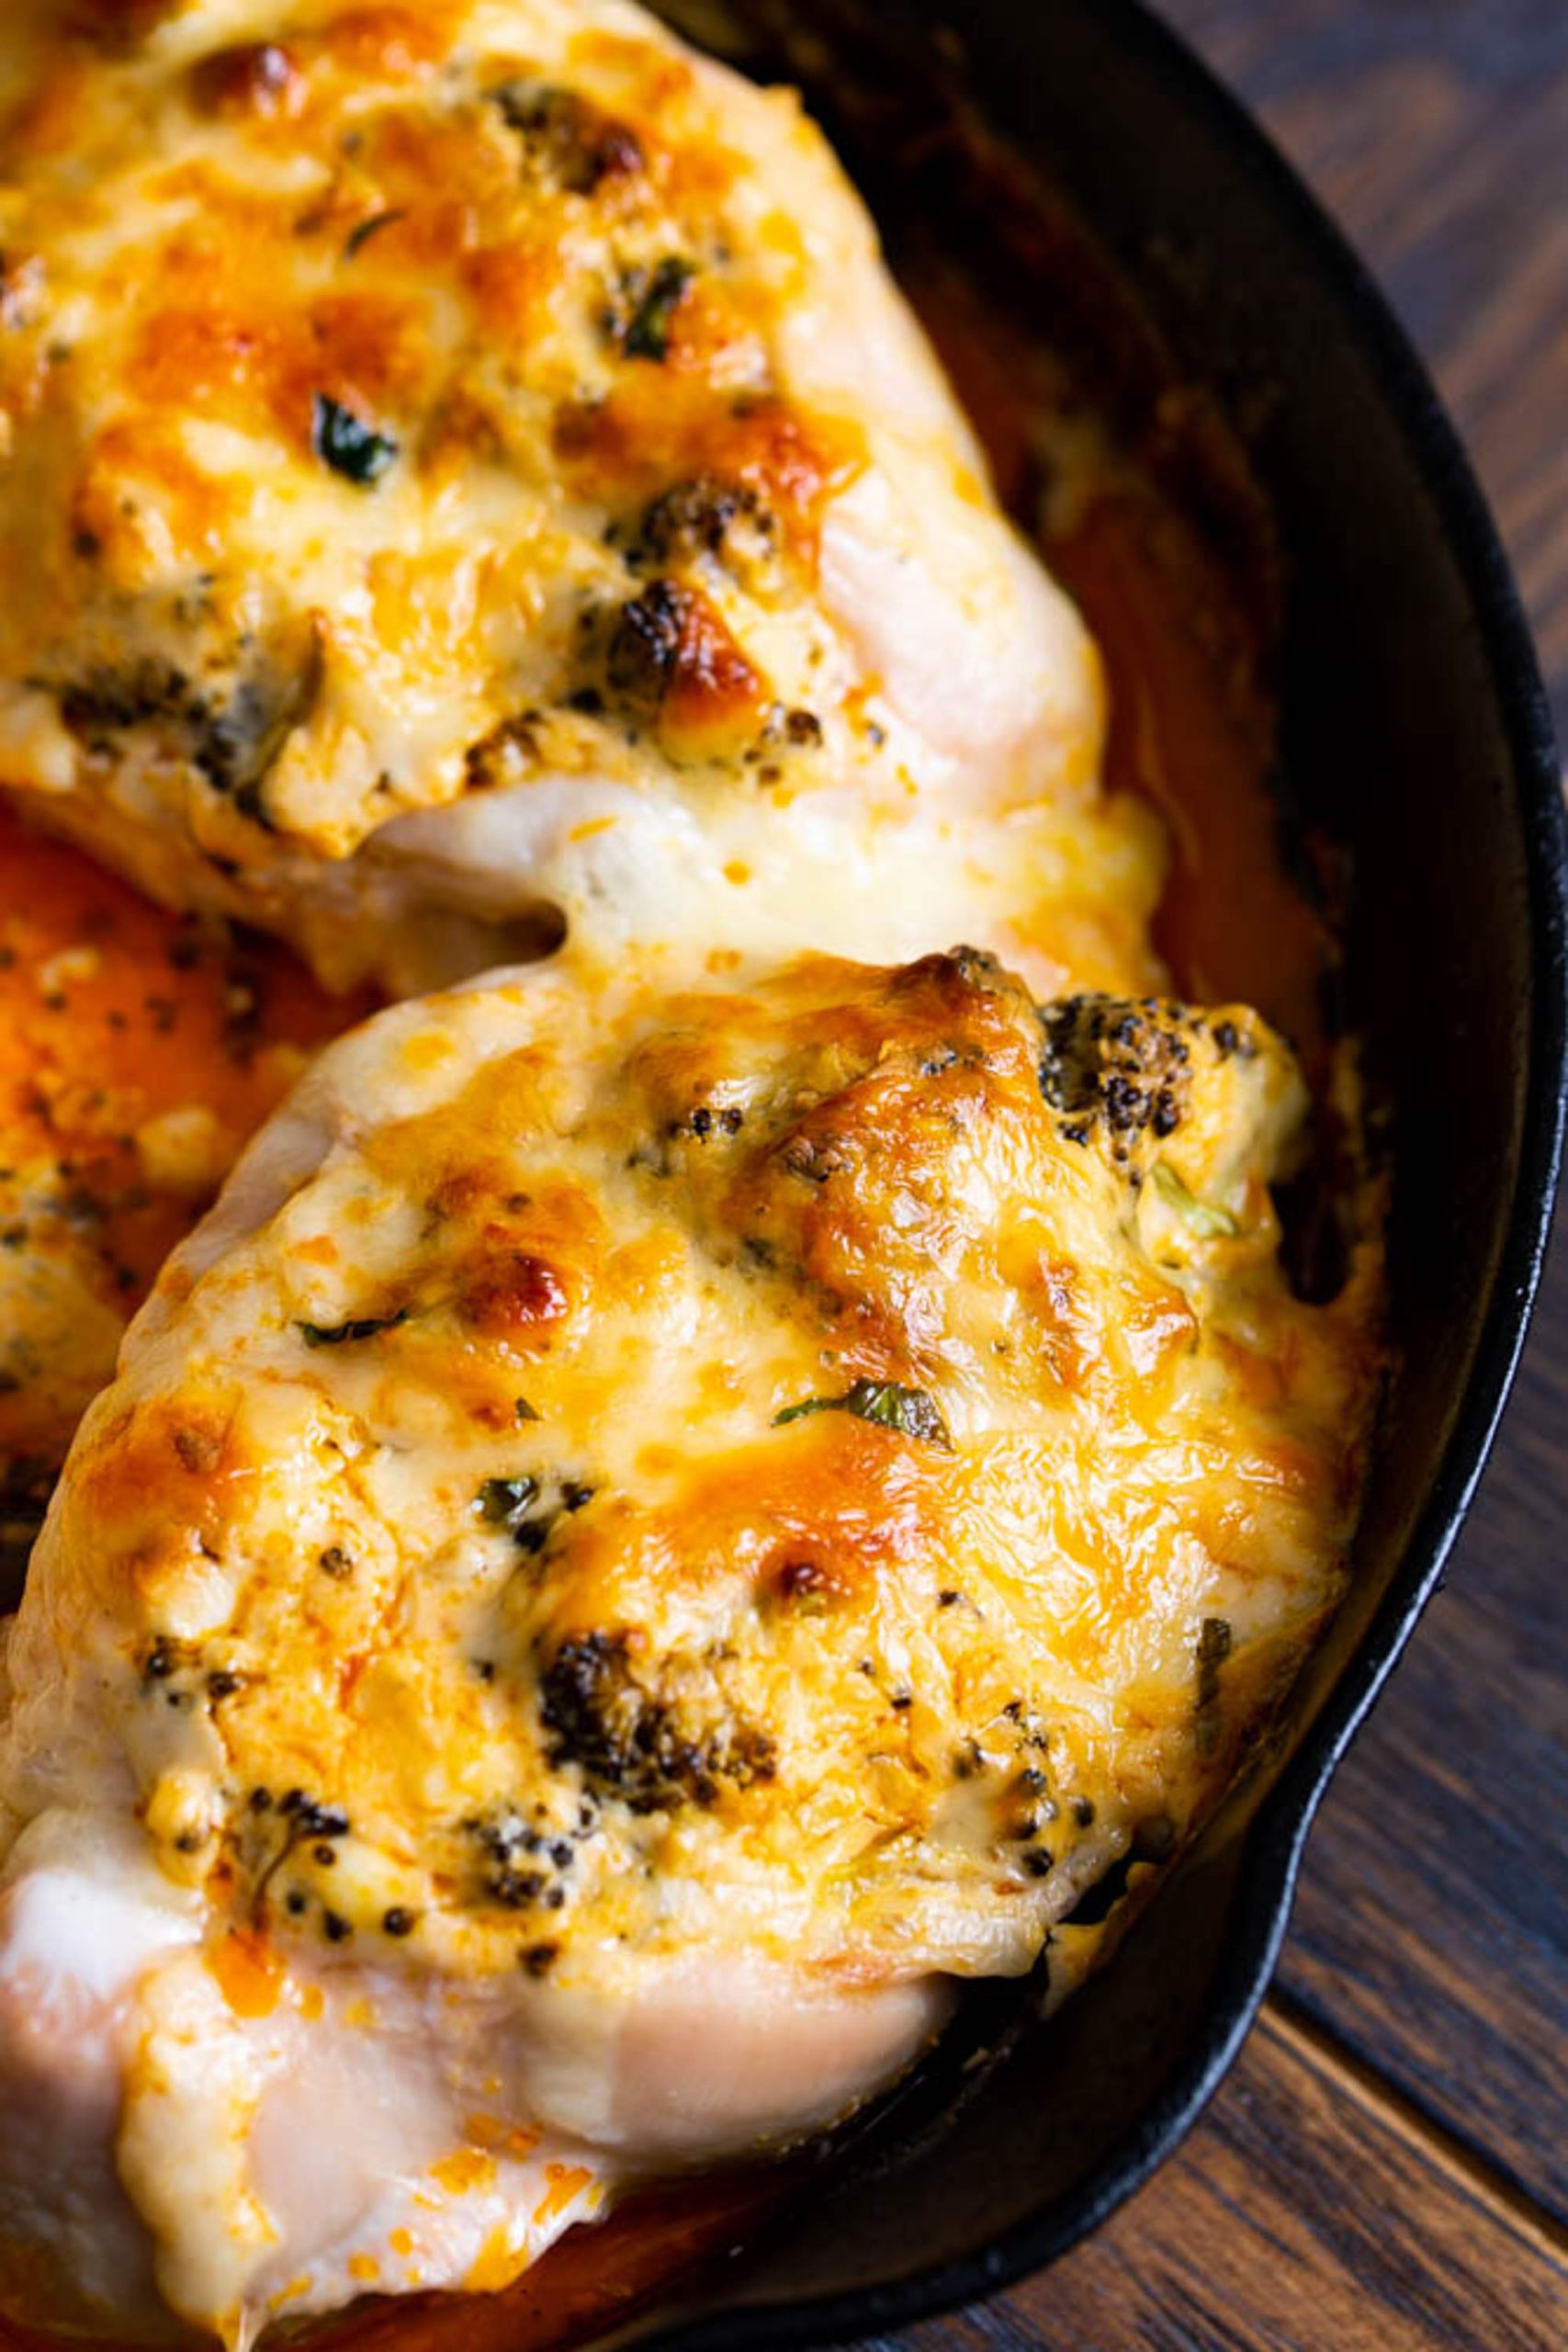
pixel 1276 1837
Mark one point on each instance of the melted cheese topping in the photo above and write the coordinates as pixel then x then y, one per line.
pixel 687 1497
pixel 809 1472
pixel 468 462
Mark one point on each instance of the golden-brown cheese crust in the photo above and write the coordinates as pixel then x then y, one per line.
pixel 403 407
pixel 828 1465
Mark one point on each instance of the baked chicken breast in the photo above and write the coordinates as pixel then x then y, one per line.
pixel 464 467
pixel 644 1541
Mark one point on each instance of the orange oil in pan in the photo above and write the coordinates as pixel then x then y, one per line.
pixel 138 1053
pixel 169 1015
pixel 1192 726
pixel 1230 926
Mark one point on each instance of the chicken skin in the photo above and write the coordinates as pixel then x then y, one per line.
pixel 647 1538
pixel 465 469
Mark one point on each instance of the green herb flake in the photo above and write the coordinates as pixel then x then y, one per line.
pixel 337 1335
pixel 1201 1217
pixel 648 331
pixel 359 238
pixel 503 1501
pixel 883 1402
pixel 349 444
pixel 1216 1639
pixel 1216 1642
pixel 523 1409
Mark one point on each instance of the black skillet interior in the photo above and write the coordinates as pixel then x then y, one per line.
pixel 1417 735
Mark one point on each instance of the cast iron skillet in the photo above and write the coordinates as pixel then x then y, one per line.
pixel 1415 731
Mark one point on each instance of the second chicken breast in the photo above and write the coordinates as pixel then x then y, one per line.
pixel 649 1533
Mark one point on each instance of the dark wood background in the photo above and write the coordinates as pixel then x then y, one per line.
pixel 1388 2165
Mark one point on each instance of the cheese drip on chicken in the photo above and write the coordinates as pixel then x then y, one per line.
pixel 646 1537
pixel 466 466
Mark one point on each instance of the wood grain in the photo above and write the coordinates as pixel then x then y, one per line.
pixel 1432 1922
pixel 1306 2214
pixel 1433 1918
pixel 1436 131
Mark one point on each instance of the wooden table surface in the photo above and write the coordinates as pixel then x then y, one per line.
pixel 1388 2165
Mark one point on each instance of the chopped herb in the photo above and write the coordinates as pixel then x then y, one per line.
pixel 523 1410
pixel 359 238
pixel 658 297
pixel 908 1410
pixel 1201 1217
pixel 349 444
pixel 336 1335
pixel 503 1501
pixel 566 143
pixel 1214 1642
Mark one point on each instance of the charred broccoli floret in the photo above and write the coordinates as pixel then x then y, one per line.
pixel 1122 1066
